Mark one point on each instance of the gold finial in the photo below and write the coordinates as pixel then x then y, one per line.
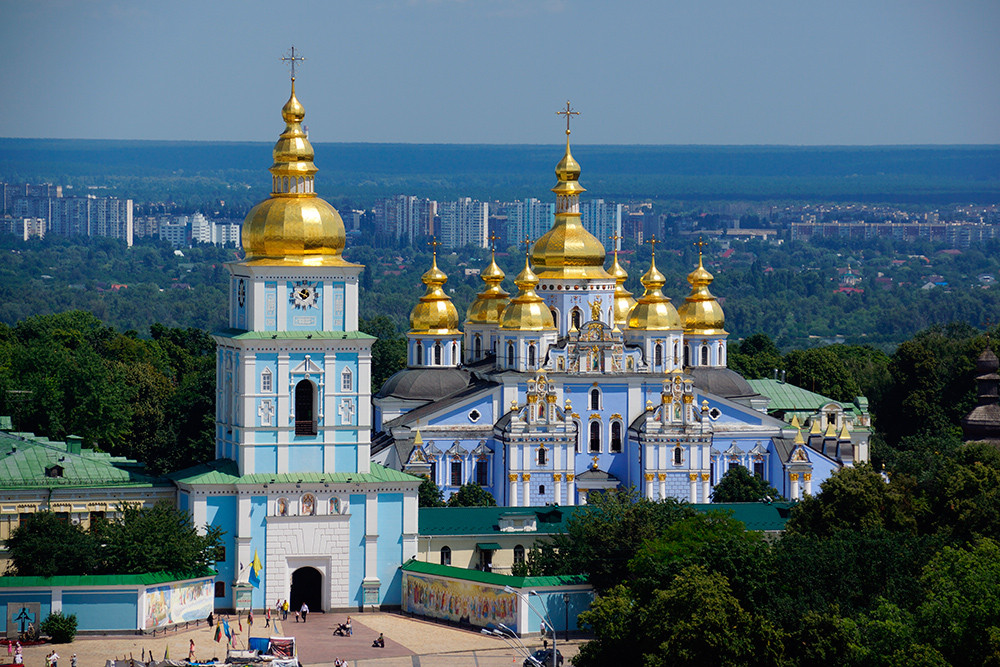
pixel 652 241
pixel 527 245
pixel 614 238
pixel 493 238
pixel 291 58
pixel 568 112
pixel 701 244
pixel 434 243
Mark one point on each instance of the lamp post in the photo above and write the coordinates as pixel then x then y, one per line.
pixel 511 639
pixel 544 617
pixel 566 608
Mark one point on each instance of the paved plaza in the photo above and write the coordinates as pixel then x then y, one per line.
pixel 408 643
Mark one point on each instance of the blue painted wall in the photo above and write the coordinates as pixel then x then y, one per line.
pixel 305 458
pixel 221 511
pixel 258 543
pixel 390 546
pixel 552 605
pixel 345 458
pixel 265 458
pixel 357 549
pixel 42 597
pixel 103 610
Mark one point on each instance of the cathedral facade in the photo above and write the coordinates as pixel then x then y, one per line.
pixel 307 516
pixel 572 386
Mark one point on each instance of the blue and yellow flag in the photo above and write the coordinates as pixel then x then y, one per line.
pixel 255 569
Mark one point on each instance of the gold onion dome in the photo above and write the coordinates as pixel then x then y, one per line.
pixel 293 226
pixel 653 311
pixel 568 250
pixel 623 298
pixel 527 311
pixel 701 313
pixel 489 303
pixel 434 313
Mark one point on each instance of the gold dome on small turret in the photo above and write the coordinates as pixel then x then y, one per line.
pixel 701 313
pixel 568 250
pixel 527 311
pixel 434 313
pixel 293 226
pixel 653 311
pixel 623 298
pixel 489 303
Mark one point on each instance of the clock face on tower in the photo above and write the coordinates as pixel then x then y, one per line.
pixel 303 295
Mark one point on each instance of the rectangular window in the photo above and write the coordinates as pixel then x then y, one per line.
pixel 758 469
pixel 220 589
pixel 482 473
pixel 265 382
pixel 346 381
pixel 456 473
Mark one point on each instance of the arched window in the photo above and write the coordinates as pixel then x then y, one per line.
pixel 445 556
pixel 454 351
pixel 555 316
pixel 518 553
pixel 721 361
pixel 658 355
pixel 437 353
pixel 704 355
pixel 542 456
pixel 577 318
pixel 676 356
pixel 531 355
pixel 616 437
pixel 678 456
pixel 305 408
pixel 420 353
pixel 578 445
pixel 687 356
pixel 266 381
pixel 541 489
pixel 346 380
pixel 477 346
pixel 510 354
pixel 595 436
pixel 595 399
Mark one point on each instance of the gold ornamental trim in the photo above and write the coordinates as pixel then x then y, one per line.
pixel 794 476
pixel 808 476
pixel 693 476
pixel 662 477
pixel 570 477
pixel 512 477
pixel 704 476
pixel 649 477
pixel 557 477
pixel 526 476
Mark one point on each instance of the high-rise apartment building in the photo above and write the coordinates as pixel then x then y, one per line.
pixel 464 222
pixel 528 218
pixel 71 216
pixel 602 219
pixel 405 217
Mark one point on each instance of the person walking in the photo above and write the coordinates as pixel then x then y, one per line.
pixel 267 617
pixel 72 661
pixel 284 610
pixel 304 610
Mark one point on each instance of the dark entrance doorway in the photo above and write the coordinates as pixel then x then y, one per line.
pixel 307 586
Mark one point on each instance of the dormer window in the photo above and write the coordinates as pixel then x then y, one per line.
pixel 54 470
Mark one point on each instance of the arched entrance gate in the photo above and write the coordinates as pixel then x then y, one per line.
pixel 307 586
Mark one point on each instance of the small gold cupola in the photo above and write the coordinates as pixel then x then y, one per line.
pixel 434 313
pixel 489 303
pixel 568 250
pixel 293 226
pixel 527 311
pixel 623 298
pixel 701 313
pixel 653 311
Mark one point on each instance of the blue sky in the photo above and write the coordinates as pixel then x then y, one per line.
pixel 495 71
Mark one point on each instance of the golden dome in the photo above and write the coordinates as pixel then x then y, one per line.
pixel 653 311
pixel 700 312
pixel 293 226
pixel 527 311
pixel 434 313
pixel 489 303
pixel 568 250
pixel 623 298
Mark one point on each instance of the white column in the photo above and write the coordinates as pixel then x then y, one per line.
pixel 512 501
pixel 570 489
pixel 649 486
pixel 663 486
pixel 243 507
pixel 794 479
pixel 693 490
pixel 808 483
pixel 56 599
pixel 557 483
pixel 706 487
pixel 526 488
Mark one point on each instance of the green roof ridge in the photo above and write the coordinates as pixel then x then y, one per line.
pixel 493 578
pixel 244 334
pixel 225 471
pixel 149 578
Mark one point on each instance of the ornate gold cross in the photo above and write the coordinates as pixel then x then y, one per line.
pixel 614 238
pixel 568 112
pixel 292 59
pixel 700 243
pixel 434 243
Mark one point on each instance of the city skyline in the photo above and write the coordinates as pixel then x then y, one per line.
pixel 443 71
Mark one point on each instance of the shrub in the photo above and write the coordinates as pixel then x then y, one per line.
pixel 61 627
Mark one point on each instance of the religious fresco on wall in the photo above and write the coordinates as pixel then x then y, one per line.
pixel 177 603
pixel 458 601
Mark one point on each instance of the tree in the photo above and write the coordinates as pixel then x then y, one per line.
pixel 429 494
pixel 739 485
pixel 472 495
pixel 46 546
pixel 60 627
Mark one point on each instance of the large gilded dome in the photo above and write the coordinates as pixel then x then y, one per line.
pixel 434 313
pixel 653 311
pixel 568 250
pixel 527 311
pixel 293 226
pixel 489 303
pixel 701 313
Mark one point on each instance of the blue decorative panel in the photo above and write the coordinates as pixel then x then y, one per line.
pixel 390 546
pixel 103 610
pixel 357 549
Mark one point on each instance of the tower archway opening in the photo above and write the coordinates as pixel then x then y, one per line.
pixel 305 408
pixel 307 587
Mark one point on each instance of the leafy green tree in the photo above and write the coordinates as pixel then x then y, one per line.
pixel 60 627
pixel 822 638
pixel 388 352
pixel 160 538
pixel 756 356
pixel 739 485
pixel 429 494
pixel 46 546
pixel 822 371
pixel 471 495
pixel 614 620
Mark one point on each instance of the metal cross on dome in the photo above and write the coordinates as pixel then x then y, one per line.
pixel 568 112
pixel 434 243
pixel 652 241
pixel 614 238
pixel 493 239
pixel 291 58
pixel 701 244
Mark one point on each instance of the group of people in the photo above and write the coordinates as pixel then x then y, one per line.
pixel 344 629
pixel 15 651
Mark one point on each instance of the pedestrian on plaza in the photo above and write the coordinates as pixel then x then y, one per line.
pixel 296 615
pixel 284 610
pixel 267 617
pixel 55 659
pixel 304 610
pixel 211 619
pixel 350 630
pixel 191 651
pixel 72 661
pixel 380 642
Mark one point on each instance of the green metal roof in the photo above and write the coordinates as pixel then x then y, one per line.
pixel 755 516
pixel 25 458
pixel 492 578
pixel 149 579
pixel 243 334
pixel 224 471
pixel 789 398
pixel 486 520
